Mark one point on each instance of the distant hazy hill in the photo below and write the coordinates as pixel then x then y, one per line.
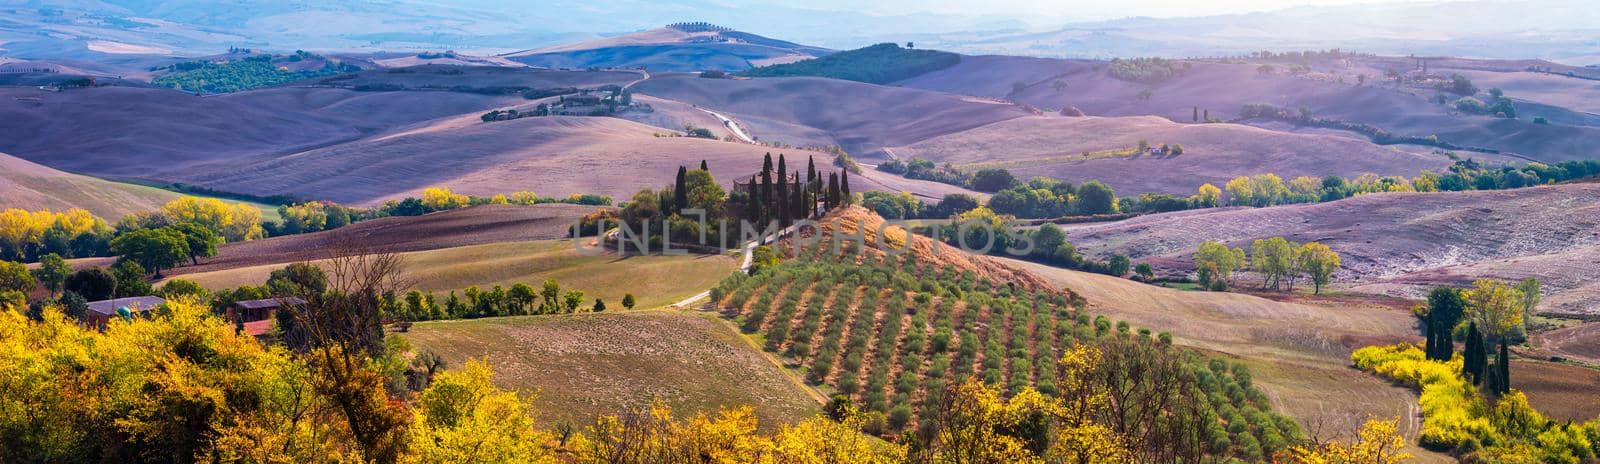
pixel 879 64
pixel 679 47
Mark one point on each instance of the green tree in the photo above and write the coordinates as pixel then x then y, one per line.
pixel 1118 266
pixel 573 298
pixel 1473 356
pixel 153 249
pixel 202 241
pixel 93 284
pixel 599 305
pixel 1214 264
pixel 1145 272
pixel 522 297
pixel 1048 238
pixel 551 292
pixel 1531 294
pixel 52 272
pixel 680 192
pixel 14 277
pixel 628 301
pixel 1445 309
pixel 180 287
pixel 989 180
pixel 130 279
pixel 298 279
pixel 1274 259
pixel 1095 197
pixel 1318 262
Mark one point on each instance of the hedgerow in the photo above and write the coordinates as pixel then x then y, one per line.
pixel 1457 418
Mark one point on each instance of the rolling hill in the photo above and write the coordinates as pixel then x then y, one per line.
pixel 856 116
pixel 1399 243
pixel 143 133
pixel 30 186
pixel 678 47
pixel 554 156
pixel 1054 146
pixel 1328 89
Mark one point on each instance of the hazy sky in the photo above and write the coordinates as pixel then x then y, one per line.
pixel 1076 10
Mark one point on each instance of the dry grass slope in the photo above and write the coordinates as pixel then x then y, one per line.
pixel 585 365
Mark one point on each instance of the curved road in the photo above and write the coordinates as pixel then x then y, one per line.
pixel 733 126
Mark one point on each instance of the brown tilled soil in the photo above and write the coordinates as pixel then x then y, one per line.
pixel 1399 244
pixel 1559 391
pixel 1580 342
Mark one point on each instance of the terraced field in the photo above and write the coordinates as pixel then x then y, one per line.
pixel 893 332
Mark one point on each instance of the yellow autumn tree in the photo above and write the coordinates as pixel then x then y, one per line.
pixel 820 440
pixel 181 384
pixel 22 229
pixel 1496 306
pixel 971 426
pixel 523 198
pixel 1378 442
pixel 1208 196
pixel 441 198
pixel 235 222
pixel 1319 263
pixel 463 418
pixel 1078 437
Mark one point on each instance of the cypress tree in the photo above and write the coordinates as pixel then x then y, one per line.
pixel 1196 114
pixel 680 195
pixel 844 186
pixel 833 191
pixel 1444 311
pixel 781 204
pixel 1472 357
pixel 1503 362
pixel 765 196
pixel 809 203
pixel 1430 344
pixel 703 166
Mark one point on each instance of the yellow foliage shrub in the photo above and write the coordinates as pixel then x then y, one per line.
pixel 1456 417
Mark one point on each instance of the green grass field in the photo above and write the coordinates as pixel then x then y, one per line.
pixel 585 365
pixel 654 281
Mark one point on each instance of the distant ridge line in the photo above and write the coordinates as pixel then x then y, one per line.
pixel 699 26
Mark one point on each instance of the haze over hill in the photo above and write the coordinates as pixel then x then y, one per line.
pixel 1552 29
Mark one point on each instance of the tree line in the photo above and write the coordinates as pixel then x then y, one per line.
pixel 1280 263
pixel 1044 197
pixel 774 195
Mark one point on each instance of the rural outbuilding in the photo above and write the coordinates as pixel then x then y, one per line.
pixel 101 312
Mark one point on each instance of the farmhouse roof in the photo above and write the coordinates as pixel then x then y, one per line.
pixel 269 303
pixel 135 304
